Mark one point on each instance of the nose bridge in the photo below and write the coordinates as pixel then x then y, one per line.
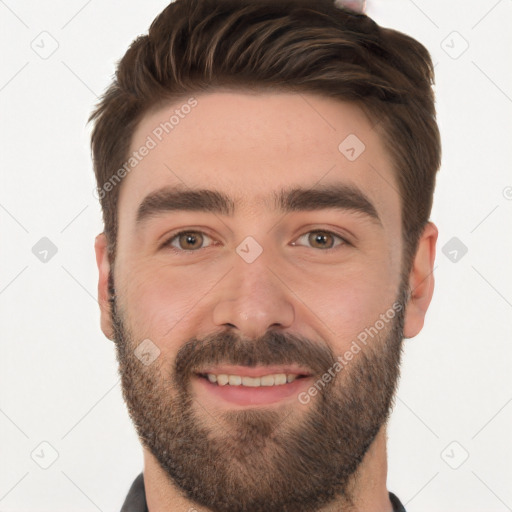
pixel 252 299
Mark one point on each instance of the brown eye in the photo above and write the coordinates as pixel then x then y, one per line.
pixel 321 240
pixel 188 240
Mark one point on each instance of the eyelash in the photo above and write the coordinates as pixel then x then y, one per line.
pixel 167 244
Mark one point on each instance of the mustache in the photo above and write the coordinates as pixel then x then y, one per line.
pixel 226 347
pixel 273 348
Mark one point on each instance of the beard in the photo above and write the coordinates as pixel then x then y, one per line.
pixel 286 459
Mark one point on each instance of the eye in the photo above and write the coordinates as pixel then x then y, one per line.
pixel 194 240
pixel 187 240
pixel 321 239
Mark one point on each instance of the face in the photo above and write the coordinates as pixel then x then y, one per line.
pixel 258 267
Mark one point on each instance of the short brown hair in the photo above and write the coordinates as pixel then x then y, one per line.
pixel 305 46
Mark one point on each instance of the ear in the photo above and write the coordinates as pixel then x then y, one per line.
pixel 100 247
pixel 421 281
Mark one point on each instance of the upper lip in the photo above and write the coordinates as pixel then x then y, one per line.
pixel 254 371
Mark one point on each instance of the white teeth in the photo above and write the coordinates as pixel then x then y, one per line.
pixel 222 379
pixel 267 380
pixel 252 382
pixel 235 380
pixel 278 379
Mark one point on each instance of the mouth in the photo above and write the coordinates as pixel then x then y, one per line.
pixel 243 386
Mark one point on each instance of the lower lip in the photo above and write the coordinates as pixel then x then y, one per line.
pixel 245 395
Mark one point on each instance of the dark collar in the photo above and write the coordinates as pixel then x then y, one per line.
pixel 136 498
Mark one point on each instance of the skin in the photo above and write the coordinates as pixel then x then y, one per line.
pixel 280 140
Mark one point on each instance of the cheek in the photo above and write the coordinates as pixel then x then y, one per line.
pixel 349 300
pixel 160 300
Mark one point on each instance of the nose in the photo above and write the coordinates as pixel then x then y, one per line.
pixel 252 299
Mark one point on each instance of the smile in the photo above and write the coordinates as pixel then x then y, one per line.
pixel 277 379
pixel 251 386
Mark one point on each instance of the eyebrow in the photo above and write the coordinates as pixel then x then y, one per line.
pixel 337 196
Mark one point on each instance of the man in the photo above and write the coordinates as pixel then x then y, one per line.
pixel 266 172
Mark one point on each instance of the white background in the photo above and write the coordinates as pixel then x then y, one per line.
pixel 58 373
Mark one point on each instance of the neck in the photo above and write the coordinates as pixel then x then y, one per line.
pixel 367 487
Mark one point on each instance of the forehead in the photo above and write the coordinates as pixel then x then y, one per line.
pixel 252 144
